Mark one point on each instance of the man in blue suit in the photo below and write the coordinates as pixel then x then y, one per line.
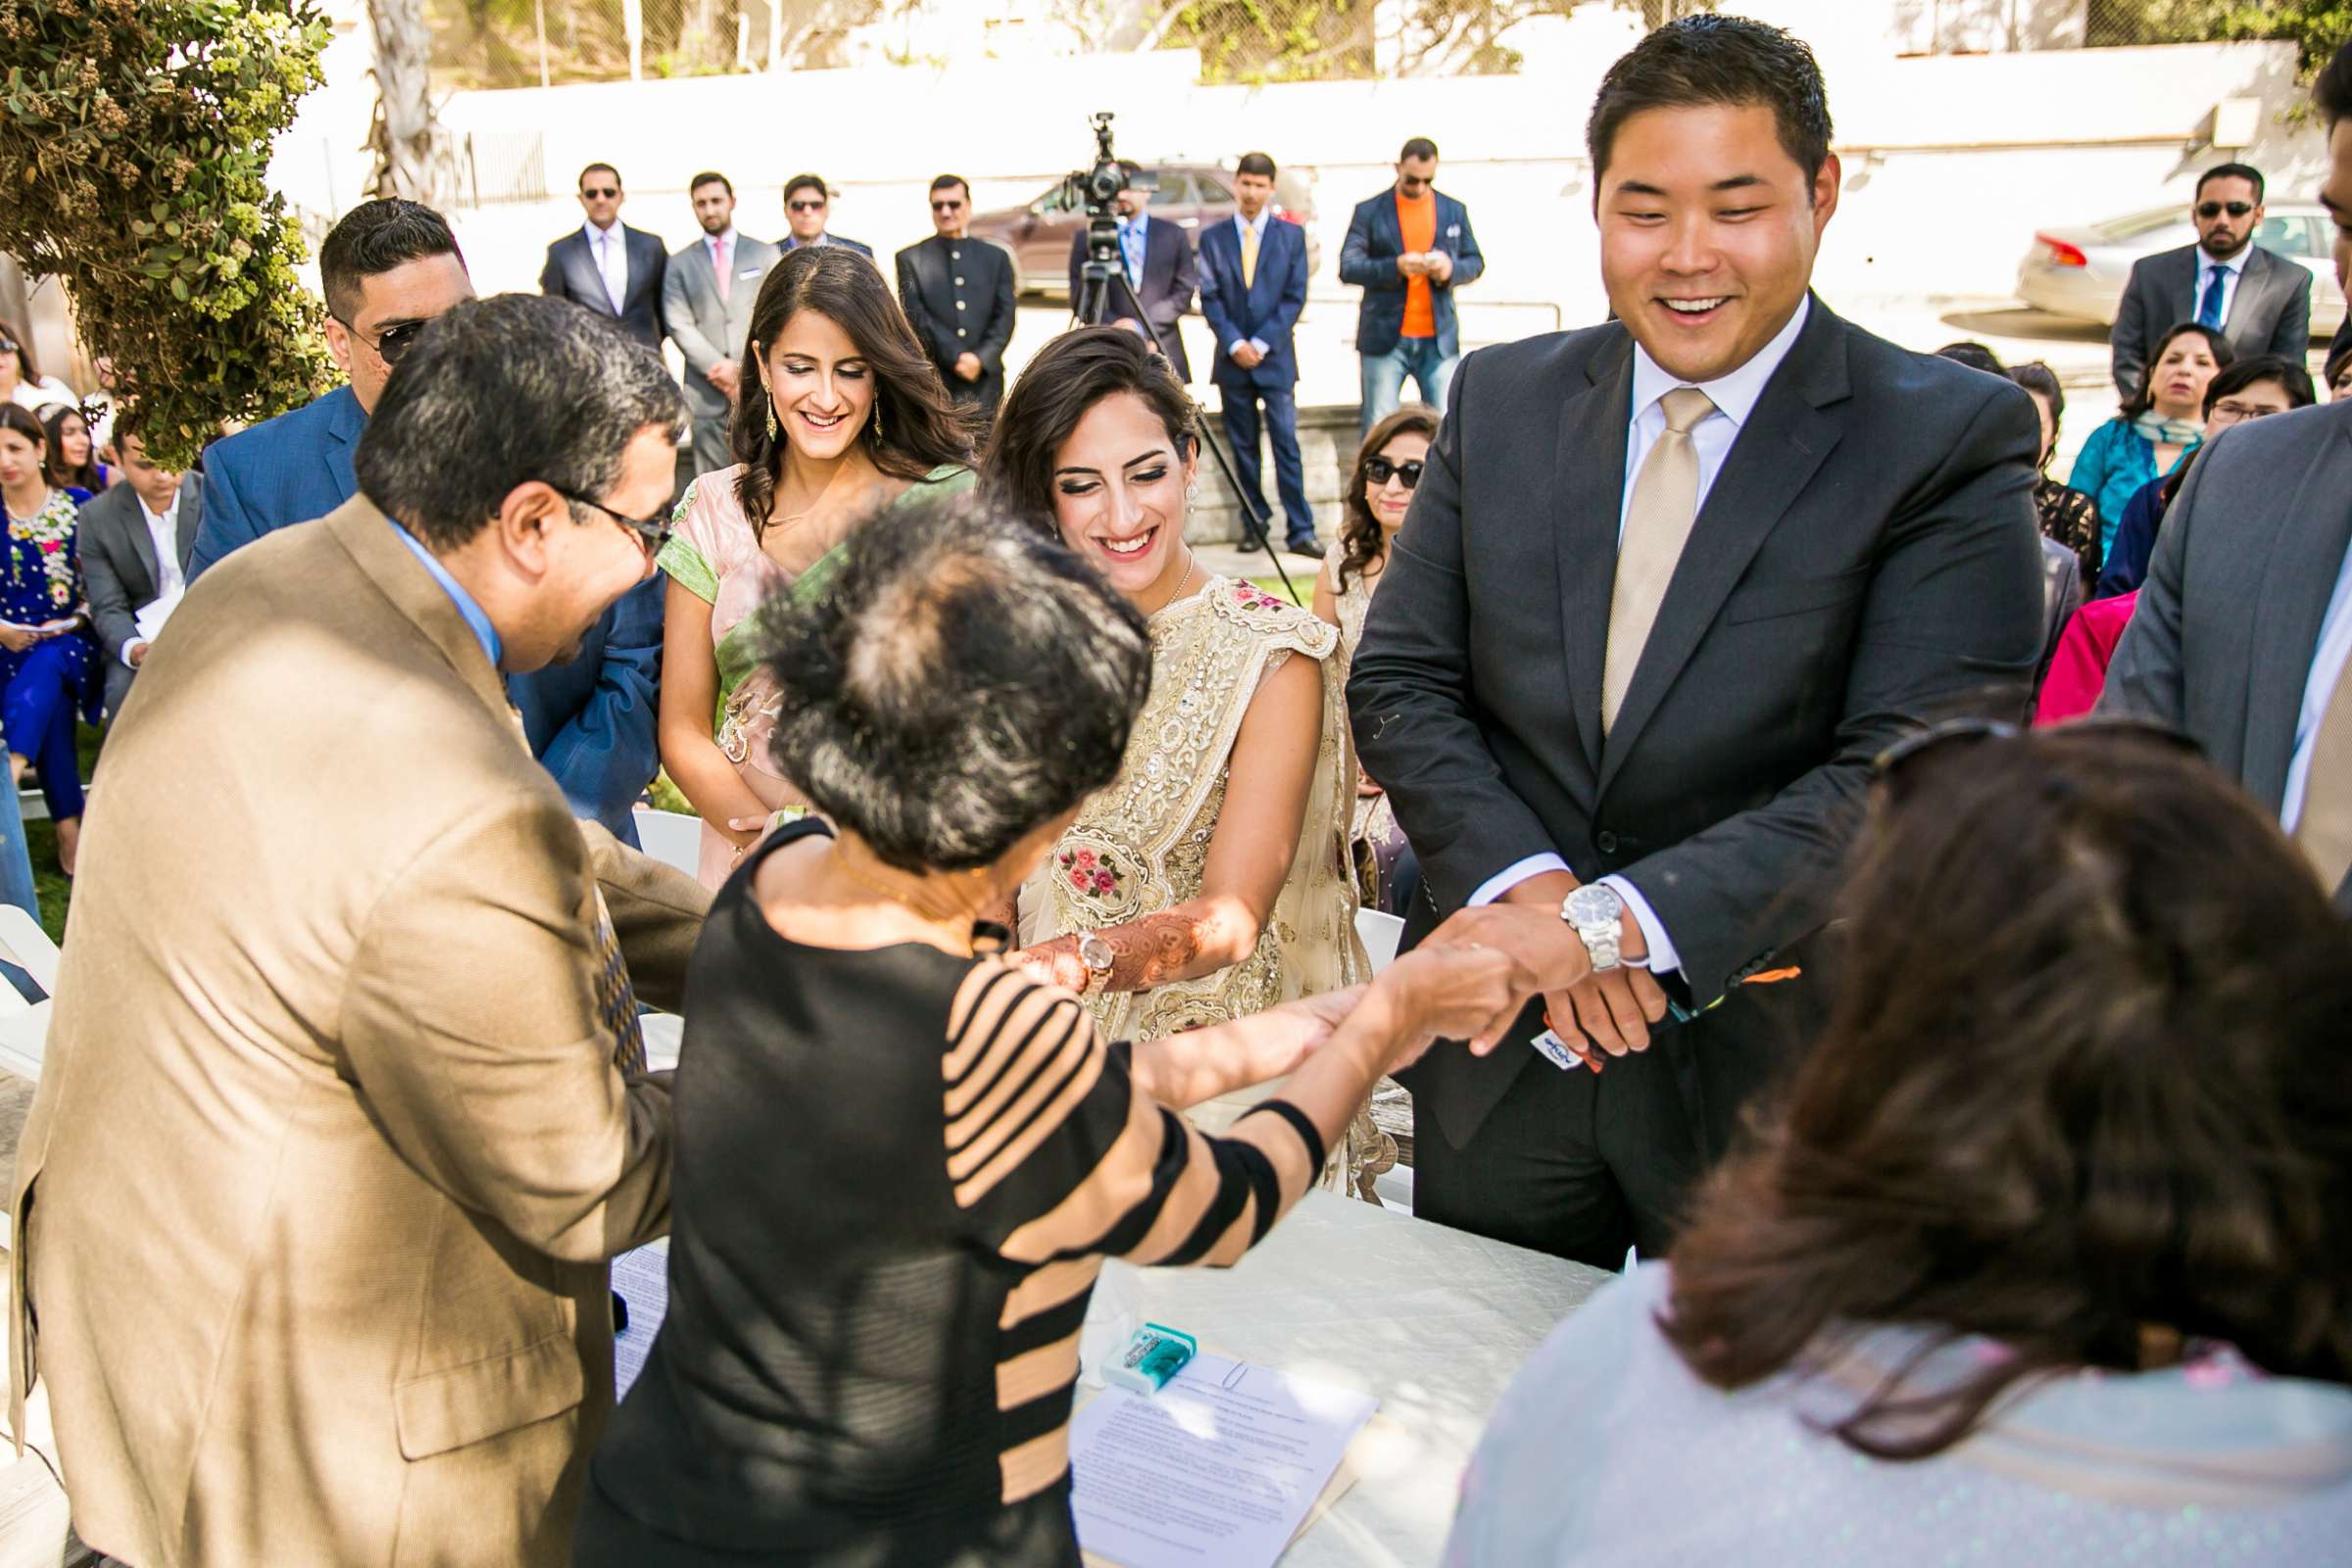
pixel 1408 249
pixel 1253 287
pixel 389 268
pixel 1158 273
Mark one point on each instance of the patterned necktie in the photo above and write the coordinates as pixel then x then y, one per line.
pixel 2209 309
pixel 1131 240
pixel 1657 525
pixel 1248 256
pixel 719 264
pixel 2323 830
pixel 615 999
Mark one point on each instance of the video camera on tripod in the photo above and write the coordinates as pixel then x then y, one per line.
pixel 1097 191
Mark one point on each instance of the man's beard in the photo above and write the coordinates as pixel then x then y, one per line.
pixel 2221 256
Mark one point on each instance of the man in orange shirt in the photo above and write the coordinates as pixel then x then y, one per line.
pixel 1408 249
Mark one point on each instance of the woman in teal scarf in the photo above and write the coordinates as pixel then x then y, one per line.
pixel 2157 427
pixel 841 418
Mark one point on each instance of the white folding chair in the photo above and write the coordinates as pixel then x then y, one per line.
pixel 671 837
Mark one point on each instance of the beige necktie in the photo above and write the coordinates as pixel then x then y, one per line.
pixel 2324 828
pixel 1248 256
pixel 1657 525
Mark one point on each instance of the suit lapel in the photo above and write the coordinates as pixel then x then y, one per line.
pixel 191 518
pixel 369 537
pixel 2298 582
pixel 1588 490
pixel 1771 462
pixel 342 437
pixel 587 283
pixel 142 543
pixel 1389 225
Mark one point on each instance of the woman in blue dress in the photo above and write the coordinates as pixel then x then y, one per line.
pixel 2157 428
pixel 45 659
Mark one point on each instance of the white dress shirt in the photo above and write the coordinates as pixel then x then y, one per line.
pixel 169 581
pixel 2233 270
pixel 1734 396
pixel 608 247
pixel 2326 670
pixel 1241 229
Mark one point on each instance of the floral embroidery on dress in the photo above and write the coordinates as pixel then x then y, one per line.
pixel 50 530
pixel 1089 873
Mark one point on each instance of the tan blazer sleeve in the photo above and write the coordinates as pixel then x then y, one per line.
pixel 657 914
pixel 471 1025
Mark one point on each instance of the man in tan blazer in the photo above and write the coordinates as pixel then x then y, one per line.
pixel 336 1132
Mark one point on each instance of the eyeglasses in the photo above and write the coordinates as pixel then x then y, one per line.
pixel 392 343
pixel 807 207
pixel 600 190
pixel 8 345
pixel 2213 210
pixel 2235 413
pixel 1380 470
pixel 947 207
pixel 650 533
pixel 1896 768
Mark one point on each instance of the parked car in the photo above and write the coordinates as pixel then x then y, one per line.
pixel 2082 272
pixel 1038 233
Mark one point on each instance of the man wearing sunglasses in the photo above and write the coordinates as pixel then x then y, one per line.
pixel 807 204
pixel 388 268
pixel 2260 302
pixel 606 265
pixel 957 294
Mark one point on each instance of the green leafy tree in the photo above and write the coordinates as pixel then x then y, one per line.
pixel 134 152
pixel 2316 27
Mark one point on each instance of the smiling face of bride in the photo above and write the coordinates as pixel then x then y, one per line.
pixel 1119 486
pixel 821 384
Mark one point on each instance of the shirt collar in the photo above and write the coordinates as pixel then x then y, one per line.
pixel 725 236
pixel 478 619
pixel 2235 264
pixel 1135 223
pixel 1733 395
pixel 595 233
pixel 166 517
pixel 1264 214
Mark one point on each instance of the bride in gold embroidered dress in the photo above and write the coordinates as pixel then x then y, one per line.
pixel 1162 907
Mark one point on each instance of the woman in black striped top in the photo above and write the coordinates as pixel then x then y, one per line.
pixel 899 1161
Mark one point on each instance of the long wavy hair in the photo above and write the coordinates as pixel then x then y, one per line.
pixel 2085 1080
pixel 1361 542
pixel 1068 378
pixel 53 447
pixel 921 427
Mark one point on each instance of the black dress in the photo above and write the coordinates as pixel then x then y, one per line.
pixel 898 1172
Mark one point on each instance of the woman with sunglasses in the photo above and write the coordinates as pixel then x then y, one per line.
pixel 21 380
pixel 2046 1254
pixel 841 418
pixel 1378 492
pixel 2157 427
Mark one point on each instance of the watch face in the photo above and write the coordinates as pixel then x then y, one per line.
pixel 1593 906
pixel 1096 953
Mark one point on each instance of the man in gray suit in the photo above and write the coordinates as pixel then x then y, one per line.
pixel 707 298
pixel 135 543
pixel 2260 302
pixel 2243 634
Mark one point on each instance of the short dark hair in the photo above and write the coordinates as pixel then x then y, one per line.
pixel 498 392
pixel 2338 362
pixel 961 683
pixel 1257 164
pixel 376 237
pixel 709 177
pixel 940 182
pixel 815 183
pixel 592 168
pixel 2245 171
pixel 1707 59
pixel 2141 401
pixel 1976 355
pixel 2084 1074
pixel 1068 378
pixel 2233 378
pixel 2036 376
pixel 131 419
pixel 17 419
pixel 2331 92
pixel 1418 148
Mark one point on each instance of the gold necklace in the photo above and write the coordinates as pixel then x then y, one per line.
pixel 1191 566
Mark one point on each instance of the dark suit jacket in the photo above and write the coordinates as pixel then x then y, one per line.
pixel 2270 309
pixel 589 721
pixel 959 297
pixel 1368 259
pixel 1867 559
pixel 117 562
pixel 1267 309
pixel 2229 619
pixel 1170 275
pixel 570 273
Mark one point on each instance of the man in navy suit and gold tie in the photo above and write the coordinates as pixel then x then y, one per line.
pixel 1253 287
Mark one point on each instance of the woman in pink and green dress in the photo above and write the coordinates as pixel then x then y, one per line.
pixel 841 418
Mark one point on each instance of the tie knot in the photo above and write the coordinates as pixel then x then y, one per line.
pixel 1684 407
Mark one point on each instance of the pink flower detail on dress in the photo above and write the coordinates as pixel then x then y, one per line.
pixel 1085 858
pixel 1105 882
pixel 1078 880
pixel 1088 871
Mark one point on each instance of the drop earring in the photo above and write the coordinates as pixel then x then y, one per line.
pixel 877 421
pixel 773 429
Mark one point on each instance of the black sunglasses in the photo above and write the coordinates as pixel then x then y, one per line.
pixel 652 533
pixel 2210 209
pixel 390 344
pixel 944 207
pixel 600 190
pixel 1898 766
pixel 1380 470
pixel 807 207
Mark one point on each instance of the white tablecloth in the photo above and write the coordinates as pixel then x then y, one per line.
pixel 1435 1321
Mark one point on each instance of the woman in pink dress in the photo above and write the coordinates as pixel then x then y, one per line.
pixel 841 418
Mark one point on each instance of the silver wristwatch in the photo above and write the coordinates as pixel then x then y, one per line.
pixel 1097 955
pixel 1595 912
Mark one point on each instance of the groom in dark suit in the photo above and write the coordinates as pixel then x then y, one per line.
pixel 1667 587
pixel 1253 287
pixel 606 265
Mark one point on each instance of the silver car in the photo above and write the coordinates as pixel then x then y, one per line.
pixel 2082 272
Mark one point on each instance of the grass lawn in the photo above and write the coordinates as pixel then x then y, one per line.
pixel 1273 585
